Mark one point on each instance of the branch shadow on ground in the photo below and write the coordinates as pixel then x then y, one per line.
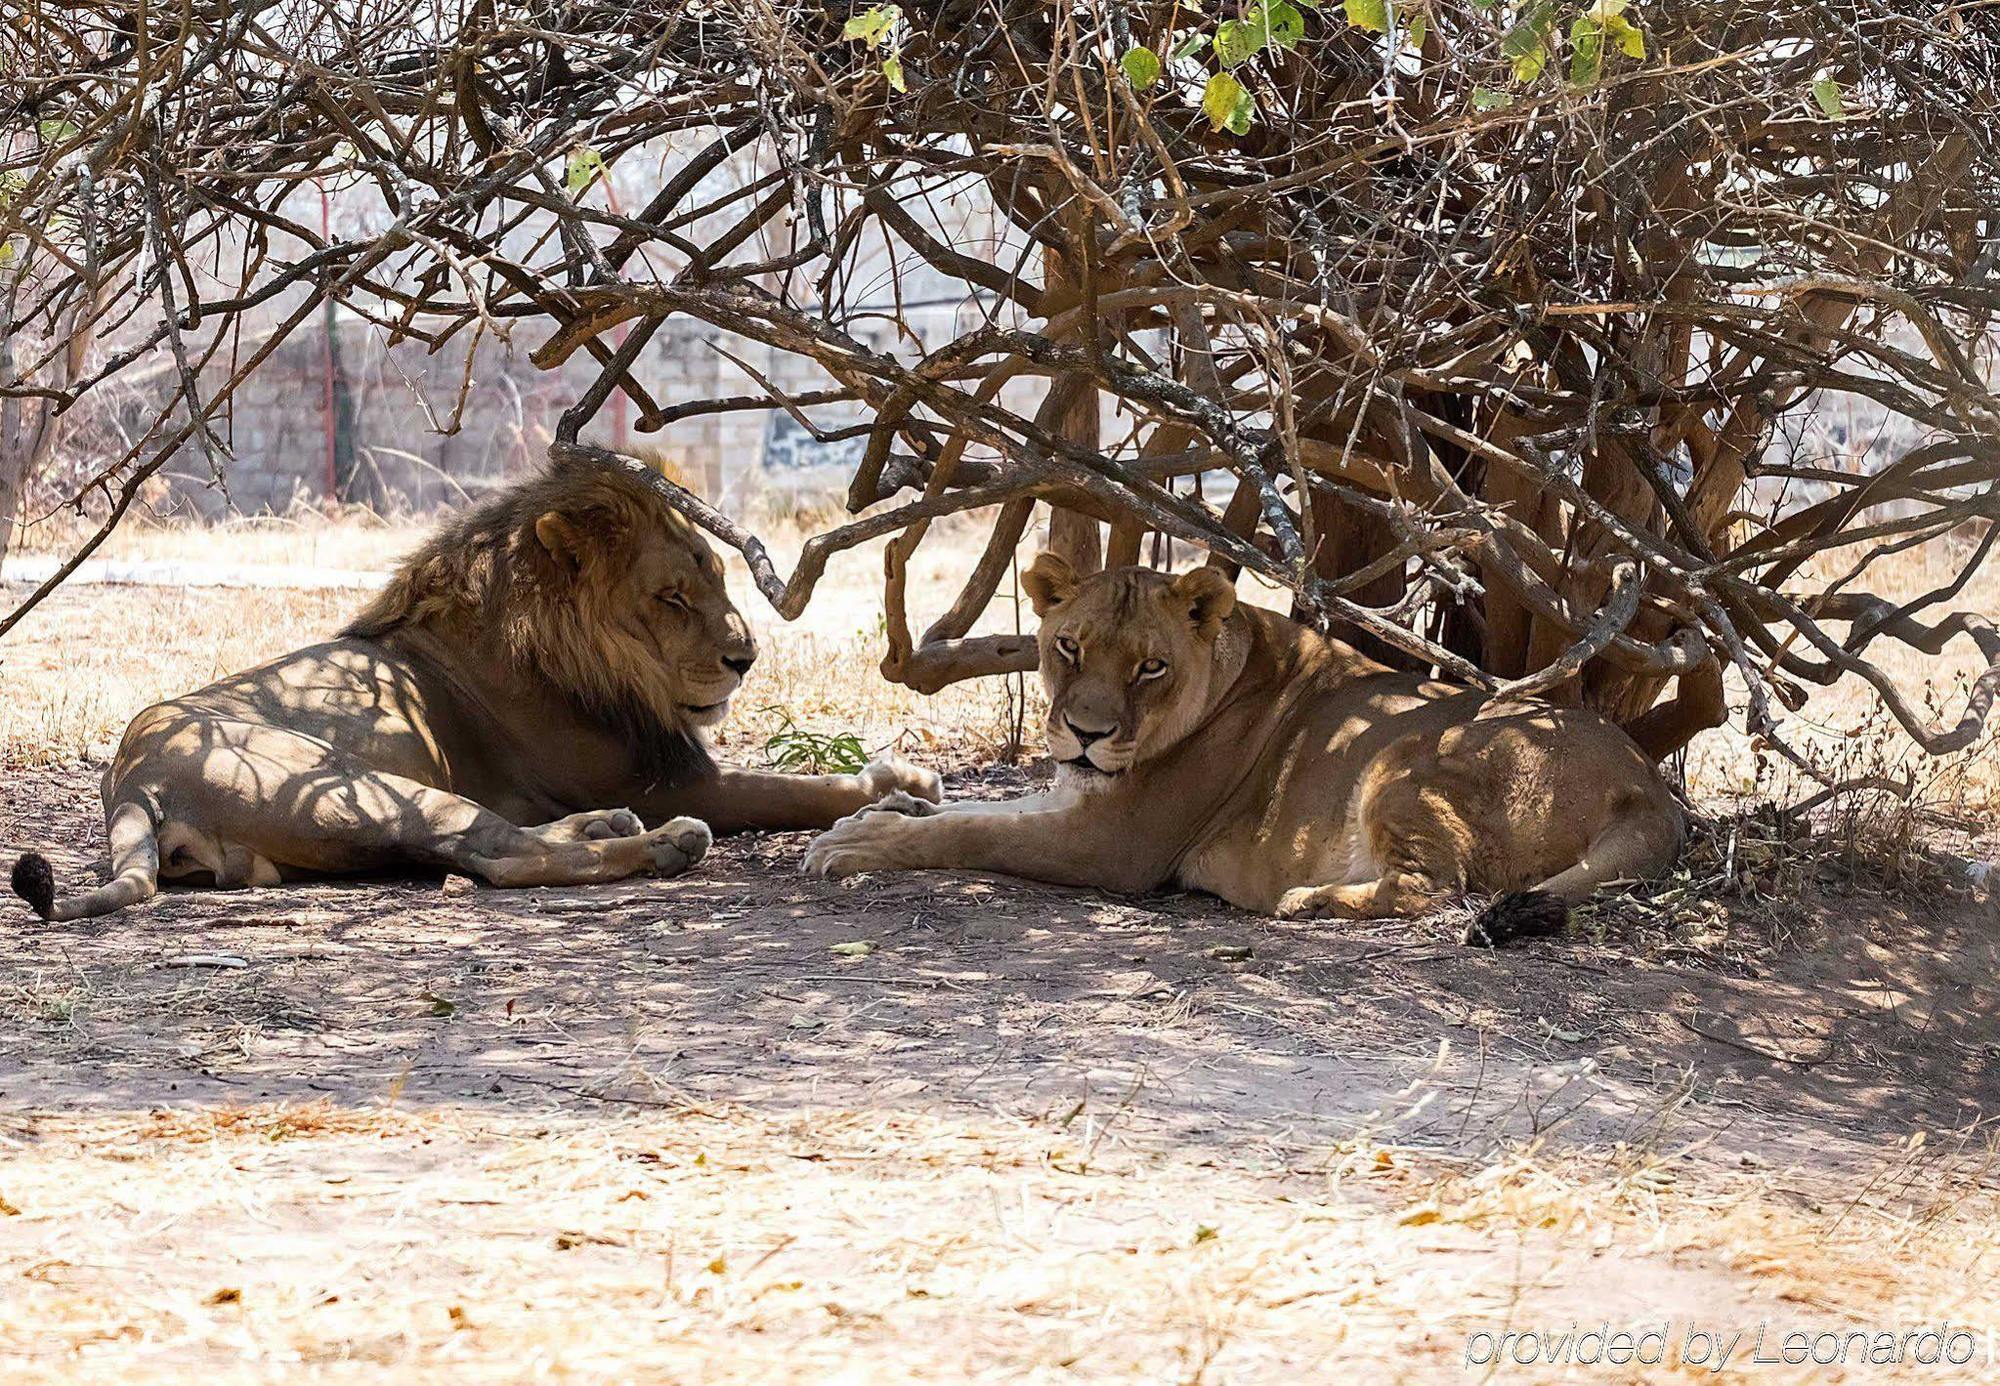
pixel 745 982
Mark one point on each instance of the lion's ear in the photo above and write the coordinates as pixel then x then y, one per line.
pixel 560 538
pixel 1049 582
pixel 1207 595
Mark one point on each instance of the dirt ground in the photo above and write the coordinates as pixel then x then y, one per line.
pixel 750 1126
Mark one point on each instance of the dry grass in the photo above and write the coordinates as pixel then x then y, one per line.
pixel 355 539
pixel 1845 730
pixel 316 1243
pixel 76 670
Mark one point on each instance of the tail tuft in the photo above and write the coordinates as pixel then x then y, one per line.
pixel 1516 915
pixel 34 882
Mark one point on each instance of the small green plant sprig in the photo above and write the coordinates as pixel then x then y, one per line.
pixel 794 749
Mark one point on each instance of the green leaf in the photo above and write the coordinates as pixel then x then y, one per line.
pixel 1285 24
pixel 1228 104
pixel 1308 4
pixel 1141 67
pixel 585 165
pixel 1191 45
pixel 892 68
pixel 1826 91
pixel 1372 15
pixel 872 25
pixel 1602 25
pixel 858 948
pixel 1420 28
pixel 55 131
pixel 1238 40
pixel 1487 99
pixel 1626 35
pixel 1586 57
pixel 1526 45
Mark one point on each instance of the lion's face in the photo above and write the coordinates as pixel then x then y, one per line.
pixel 648 592
pixel 1128 658
pixel 678 599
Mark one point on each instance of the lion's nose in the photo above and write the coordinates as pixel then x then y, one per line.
pixel 740 663
pixel 1085 738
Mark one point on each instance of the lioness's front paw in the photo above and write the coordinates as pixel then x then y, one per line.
pixel 864 841
pixel 1303 902
pixel 676 845
pixel 898 801
pixel 892 773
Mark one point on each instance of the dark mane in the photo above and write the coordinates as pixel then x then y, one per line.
pixel 483 580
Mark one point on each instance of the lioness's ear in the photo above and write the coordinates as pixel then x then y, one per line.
pixel 1049 582
pixel 562 541
pixel 1208 597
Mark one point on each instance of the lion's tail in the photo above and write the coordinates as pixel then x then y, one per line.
pixel 135 870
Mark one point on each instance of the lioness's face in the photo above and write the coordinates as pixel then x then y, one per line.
pixel 1128 659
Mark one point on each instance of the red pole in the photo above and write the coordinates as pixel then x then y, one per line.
pixel 326 361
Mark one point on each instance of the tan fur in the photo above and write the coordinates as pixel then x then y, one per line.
pixel 556 649
pixel 1205 744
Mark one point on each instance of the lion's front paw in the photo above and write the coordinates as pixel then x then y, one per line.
pixel 597 825
pixel 865 841
pixel 892 773
pixel 610 823
pixel 674 846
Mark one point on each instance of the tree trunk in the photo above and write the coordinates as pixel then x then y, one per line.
pixel 27 433
pixel 28 426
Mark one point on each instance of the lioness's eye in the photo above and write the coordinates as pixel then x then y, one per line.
pixel 674 600
pixel 1066 647
pixel 1152 668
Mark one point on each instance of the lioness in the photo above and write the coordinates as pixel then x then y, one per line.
pixel 1221 747
pixel 558 648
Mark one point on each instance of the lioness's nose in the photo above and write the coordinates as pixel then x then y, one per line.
pixel 740 662
pixel 1085 738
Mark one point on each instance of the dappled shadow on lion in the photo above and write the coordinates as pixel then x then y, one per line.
pixel 526 702
pixel 1209 744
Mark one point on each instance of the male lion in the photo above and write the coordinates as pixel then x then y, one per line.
pixel 558 648
pixel 1221 747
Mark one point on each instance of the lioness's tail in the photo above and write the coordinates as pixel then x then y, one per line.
pixel 135 870
pixel 1641 839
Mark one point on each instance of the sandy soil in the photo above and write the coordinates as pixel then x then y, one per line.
pixel 352 1102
